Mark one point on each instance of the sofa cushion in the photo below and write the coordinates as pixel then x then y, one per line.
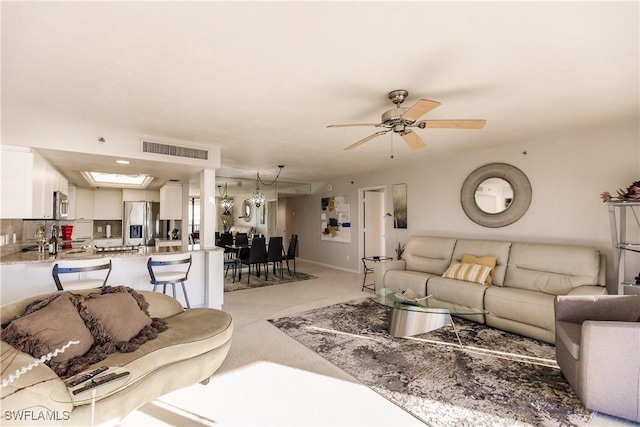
pixel 119 315
pixel 191 333
pixel 403 279
pixel 461 293
pixel 484 248
pixel 553 269
pixel 48 325
pixel 475 273
pixel 428 254
pixel 521 305
pixel 489 261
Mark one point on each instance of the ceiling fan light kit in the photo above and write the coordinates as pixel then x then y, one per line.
pixel 399 119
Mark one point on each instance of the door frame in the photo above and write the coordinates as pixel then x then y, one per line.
pixel 361 191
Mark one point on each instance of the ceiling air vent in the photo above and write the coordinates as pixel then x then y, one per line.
pixel 174 150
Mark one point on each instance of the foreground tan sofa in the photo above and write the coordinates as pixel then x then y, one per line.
pixel 526 279
pixel 189 351
pixel 598 351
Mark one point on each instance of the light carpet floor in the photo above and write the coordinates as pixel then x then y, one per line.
pixel 270 379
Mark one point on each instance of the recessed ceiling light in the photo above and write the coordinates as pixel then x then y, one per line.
pixel 123 162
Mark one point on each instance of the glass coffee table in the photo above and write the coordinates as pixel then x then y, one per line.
pixel 413 316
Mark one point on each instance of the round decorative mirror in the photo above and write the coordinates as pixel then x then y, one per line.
pixel 246 210
pixel 496 195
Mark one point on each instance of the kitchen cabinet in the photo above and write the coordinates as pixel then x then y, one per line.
pixel 28 183
pixel 107 204
pixel 129 195
pixel 17 183
pixel 171 201
pixel 46 179
pixel 83 203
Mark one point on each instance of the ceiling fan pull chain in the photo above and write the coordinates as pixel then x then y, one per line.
pixel 391 133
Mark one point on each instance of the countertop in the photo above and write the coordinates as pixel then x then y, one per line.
pixel 77 253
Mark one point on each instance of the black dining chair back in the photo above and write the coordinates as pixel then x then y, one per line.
pixel 242 239
pixel 291 253
pixel 226 239
pixel 274 253
pixel 257 256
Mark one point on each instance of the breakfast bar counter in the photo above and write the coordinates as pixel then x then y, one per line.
pixel 25 274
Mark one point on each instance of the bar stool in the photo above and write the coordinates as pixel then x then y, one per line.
pixel 160 275
pixel 80 267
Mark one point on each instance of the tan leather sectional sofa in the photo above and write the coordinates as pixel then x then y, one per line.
pixel 525 281
pixel 192 348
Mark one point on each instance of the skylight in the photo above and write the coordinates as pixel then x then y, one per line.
pixel 117 180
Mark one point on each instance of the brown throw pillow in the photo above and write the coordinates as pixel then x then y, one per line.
pixel 51 325
pixel 118 318
pixel 119 315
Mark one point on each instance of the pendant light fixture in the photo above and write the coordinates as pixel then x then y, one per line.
pixel 225 202
pixel 258 198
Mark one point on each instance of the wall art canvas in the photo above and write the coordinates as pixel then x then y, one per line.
pixel 335 219
pixel 399 194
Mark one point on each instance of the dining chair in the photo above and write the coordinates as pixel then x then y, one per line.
pixel 274 254
pixel 291 253
pixel 242 239
pixel 169 269
pixel 83 269
pixel 226 239
pixel 257 255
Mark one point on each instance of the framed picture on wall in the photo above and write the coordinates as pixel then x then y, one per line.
pixel 399 194
pixel 335 219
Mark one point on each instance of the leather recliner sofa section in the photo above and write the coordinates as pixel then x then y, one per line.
pixel 525 280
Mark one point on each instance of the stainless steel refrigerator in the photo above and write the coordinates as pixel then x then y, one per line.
pixel 141 223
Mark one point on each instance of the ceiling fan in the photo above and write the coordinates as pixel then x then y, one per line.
pixel 400 119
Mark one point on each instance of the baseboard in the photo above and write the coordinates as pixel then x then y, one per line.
pixel 329 266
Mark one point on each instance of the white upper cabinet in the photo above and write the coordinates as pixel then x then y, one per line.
pixel 171 201
pixel 107 204
pixel 81 203
pixel 17 183
pixel 28 183
pixel 129 195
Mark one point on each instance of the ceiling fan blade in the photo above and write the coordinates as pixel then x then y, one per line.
pixel 456 124
pixel 412 139
pixel 369 138
pixel 353 124
pixel 421 107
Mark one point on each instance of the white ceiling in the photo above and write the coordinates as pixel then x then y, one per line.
pixel 263 79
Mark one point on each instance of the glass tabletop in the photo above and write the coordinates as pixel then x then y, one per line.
pixel 394 298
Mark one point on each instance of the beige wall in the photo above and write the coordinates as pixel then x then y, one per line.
pixel 567 176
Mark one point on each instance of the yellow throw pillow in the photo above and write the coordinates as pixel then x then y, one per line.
pixel 468 272
pixel 489 261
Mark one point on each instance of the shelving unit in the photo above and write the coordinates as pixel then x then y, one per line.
pixel 621 241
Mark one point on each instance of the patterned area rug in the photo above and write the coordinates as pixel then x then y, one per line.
pixel 498 379
pixel 257 282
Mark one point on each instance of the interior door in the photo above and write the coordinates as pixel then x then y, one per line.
pixel 374 239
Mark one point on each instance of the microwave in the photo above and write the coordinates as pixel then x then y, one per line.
pixel 60 205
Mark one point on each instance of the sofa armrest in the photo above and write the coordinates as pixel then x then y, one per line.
pixel 578 308
pixel 588 290
pixel 610 368
pixel 381 268
pixel 31 391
